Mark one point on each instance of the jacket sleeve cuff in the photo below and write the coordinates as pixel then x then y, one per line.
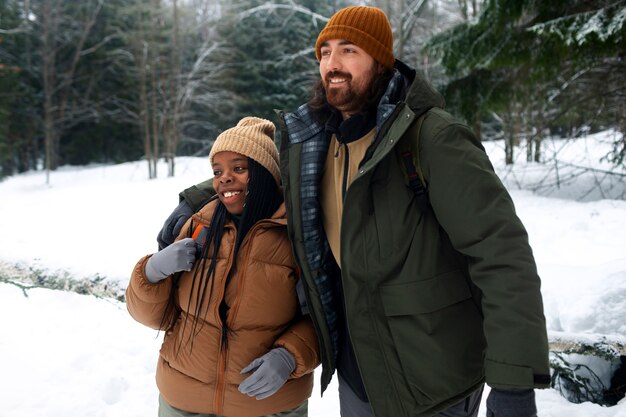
pixel 146 301
pixel 300 340
pixel 145 290
pixel 506 376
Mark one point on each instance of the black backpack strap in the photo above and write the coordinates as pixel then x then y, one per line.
pixel 415 183
pixel 409 154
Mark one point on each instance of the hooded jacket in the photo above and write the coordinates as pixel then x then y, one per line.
pixel 436 301
pixel 203 377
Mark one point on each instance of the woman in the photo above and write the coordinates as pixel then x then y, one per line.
pixel 236 344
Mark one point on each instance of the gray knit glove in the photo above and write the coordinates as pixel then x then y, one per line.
pixel 179 256
pixel 173 224
pixel 511 403
pixel 271 371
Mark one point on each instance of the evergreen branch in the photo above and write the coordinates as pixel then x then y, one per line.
pixel 27 278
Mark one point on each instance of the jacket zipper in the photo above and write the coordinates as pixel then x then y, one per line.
pixel 346 167
pixel 247 241
pixel 223 350
pixel 221 372
pixel 368 156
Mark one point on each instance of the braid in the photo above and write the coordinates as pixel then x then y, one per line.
pixel 263 199
pixel 203 274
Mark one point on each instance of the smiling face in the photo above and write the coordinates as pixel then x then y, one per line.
pixel 347 72
pixel 230 180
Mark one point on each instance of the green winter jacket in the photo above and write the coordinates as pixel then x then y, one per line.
pixel 437 301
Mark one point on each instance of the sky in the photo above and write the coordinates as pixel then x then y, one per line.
pixel 67 354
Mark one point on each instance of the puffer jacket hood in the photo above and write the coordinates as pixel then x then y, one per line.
pixel 421 95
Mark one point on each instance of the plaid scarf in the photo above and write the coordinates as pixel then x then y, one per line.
pixel 303 129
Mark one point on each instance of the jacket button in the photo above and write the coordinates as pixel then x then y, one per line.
pixel 408 116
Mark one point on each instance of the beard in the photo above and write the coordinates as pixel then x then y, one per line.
pixel 351 97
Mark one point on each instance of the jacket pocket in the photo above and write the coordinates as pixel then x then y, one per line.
pixel 436 330
pixel 395 215
pixel 421 297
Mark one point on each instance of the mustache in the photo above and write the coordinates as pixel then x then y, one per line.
pixel 341 74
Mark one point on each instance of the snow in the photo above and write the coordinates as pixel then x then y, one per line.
pixel 68 354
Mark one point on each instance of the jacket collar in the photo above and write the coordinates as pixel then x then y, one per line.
pixel 351 129
pixel 205 214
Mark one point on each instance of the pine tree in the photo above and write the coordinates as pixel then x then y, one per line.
pixel 272 64
pixel 539 65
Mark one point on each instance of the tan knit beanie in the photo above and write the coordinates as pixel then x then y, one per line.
pixel 252 137
pixel 366 27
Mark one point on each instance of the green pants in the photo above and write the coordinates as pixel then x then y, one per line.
pixel 166 410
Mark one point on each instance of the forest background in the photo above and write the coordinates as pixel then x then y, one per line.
pixel 105 82
pixel 122 80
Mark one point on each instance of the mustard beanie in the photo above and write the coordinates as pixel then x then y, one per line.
pixel 366 27
pixel 252 137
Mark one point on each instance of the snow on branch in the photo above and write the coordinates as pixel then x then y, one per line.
pixel 293 7
pixel 577 28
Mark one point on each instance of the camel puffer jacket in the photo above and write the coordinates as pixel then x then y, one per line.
pixel 264 313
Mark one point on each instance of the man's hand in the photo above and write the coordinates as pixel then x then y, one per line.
pixel 511 403
pixel 179 256
pixel 270 373
pixel 173 224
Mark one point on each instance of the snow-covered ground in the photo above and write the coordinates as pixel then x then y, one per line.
pixel 66 354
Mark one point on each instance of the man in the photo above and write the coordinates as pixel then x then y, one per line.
pixel 415 305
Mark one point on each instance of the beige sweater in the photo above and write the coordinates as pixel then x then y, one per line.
pixel 332 183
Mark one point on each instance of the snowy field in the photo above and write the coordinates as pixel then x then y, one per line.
pixel 67 354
